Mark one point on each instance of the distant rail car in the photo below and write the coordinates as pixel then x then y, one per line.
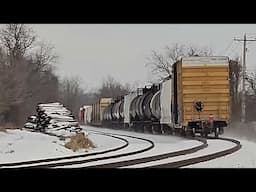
pixel 85 114
pixel 195 99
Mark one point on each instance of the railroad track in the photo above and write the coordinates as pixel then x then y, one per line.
pixel 124 145
pixel 52 162
pixel 77 162
pixel 155 157
pixel 203 158
pixel 177 164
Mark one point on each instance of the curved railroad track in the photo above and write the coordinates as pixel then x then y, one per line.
pixel 124 145
pixel 177 164
pixel 150 158
pixel 75 162
pixel 181 163
pixel 202 158
pixel 153 158
pixel 52 163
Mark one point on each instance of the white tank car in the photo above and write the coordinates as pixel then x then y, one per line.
pixel 127 102
pixel 87 114
pixel 116 112
pixel 155 105
pixel 166 102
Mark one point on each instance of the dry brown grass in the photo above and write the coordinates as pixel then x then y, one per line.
pixel 79 141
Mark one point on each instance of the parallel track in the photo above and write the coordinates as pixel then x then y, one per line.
pixel 75 162
pixel 155 157
pixel 203 158
pixel 177 164
pixel 177 153
pixel 52 162
pixel 126 143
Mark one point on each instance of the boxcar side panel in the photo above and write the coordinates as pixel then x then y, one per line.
pixel 205 80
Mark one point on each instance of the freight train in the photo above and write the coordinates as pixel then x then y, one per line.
pixel 194 99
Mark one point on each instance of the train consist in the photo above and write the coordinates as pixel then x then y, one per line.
pixel 195 99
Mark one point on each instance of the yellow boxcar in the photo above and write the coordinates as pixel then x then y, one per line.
pixel 98 108
pixel 204 79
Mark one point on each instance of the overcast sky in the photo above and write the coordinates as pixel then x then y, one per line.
pixel 94 51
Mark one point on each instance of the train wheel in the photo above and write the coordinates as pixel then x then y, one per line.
pixel 144 129
pixel 162 129
pixel 153 131
pixel 173 131
pixel 185 131
pixel 216 132
pixel 193 132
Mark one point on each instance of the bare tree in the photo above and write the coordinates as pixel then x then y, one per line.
pixel 44 57
pixel 251 80
pixel 235 70
pixel 17 38
pixel 71 94
pixel 175 51
pixel 26 78
pixel 161 63
pixel 250 96
pixel 111 88
pixel 13 87
pixel 193 50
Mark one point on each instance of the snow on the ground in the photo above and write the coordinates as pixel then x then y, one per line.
pixel 18 145
pixel 21 145
pixel 163 144
pixel 213 146
pixel 134 146
pixel 244 158
pixel 157 150
pixel 62 132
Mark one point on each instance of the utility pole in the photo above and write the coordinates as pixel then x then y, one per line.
pixel 244 75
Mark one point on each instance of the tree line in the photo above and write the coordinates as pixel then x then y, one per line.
pixel 27 78
pixel 27 75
